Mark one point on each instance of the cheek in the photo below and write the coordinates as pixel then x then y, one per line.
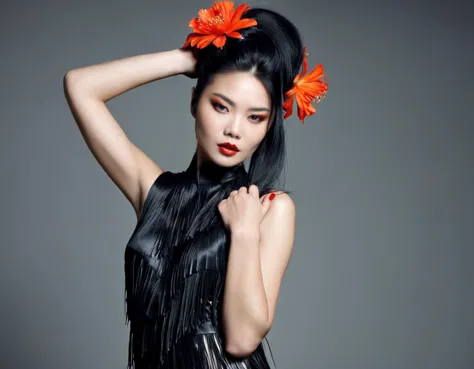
pixel 204 128
pixel 200 131
pixel 260 134
pixel 207 121
pixel 255 141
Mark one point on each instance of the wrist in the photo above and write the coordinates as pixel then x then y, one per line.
pixel 245 232
pixel 188 61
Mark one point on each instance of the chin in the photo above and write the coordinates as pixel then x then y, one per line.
pixel 224 161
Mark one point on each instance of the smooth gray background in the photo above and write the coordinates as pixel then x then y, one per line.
pixel 383 268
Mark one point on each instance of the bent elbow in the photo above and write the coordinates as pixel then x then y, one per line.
pixel 70 79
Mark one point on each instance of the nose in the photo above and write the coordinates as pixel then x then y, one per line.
pixel 233 128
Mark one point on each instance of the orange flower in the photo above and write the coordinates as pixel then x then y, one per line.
pixel 217 23
pixel 307 89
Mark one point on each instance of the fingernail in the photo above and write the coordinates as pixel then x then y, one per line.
pixel 272 196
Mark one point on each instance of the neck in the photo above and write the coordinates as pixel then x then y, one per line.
pixel 208 172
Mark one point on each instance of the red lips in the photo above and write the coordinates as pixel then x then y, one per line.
pixel 229 146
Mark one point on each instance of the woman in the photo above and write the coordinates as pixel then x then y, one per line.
pixel 204 264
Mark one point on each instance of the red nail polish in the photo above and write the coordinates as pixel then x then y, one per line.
pixel 272 196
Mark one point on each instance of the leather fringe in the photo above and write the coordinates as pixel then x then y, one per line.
pixel 172 284
pixel 164 315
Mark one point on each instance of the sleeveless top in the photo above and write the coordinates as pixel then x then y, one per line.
pixel 175 268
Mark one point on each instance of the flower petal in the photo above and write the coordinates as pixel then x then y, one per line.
pixel 204 14
pixel 227 8
pixel 202 41
pixel 190 40
pixel 288 107
pixel 305 62
pixel 290 92
pixel 316 73
pixel 219 41
pixel 243 23
pixel 234 34
pixel 241 9
pixel 313 89
pixel 196 25
pixel 304 106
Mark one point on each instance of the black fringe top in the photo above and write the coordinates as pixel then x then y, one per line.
pixel 175 267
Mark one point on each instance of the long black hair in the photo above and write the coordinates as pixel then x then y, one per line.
pixel 273 52
pixel 178 252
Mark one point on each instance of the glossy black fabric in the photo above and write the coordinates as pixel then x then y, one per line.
pixel 175 264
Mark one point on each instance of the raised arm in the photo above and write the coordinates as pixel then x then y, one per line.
pixel 87 89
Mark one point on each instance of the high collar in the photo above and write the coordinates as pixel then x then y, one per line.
pixel 211 173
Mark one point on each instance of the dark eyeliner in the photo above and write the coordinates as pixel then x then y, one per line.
pixel 217 105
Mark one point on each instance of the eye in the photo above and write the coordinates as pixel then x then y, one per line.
pixel 218 106
pixel 257 118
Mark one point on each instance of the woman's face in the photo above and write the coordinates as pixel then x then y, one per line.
pixel 234 107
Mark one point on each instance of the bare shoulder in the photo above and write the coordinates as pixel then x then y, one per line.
pixel 282 211
pixel 282 203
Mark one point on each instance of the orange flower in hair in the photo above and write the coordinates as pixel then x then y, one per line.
pixel 307 89
pixel 217 23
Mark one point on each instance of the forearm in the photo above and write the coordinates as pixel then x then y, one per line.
pixel 110 79
pixel 245 310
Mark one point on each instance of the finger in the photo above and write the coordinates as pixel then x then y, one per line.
pixel 253 190
pixel 233 193
pixel 266 204
pixel 243 189
pixel 221 205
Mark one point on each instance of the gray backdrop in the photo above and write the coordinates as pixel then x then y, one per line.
pixel 382 271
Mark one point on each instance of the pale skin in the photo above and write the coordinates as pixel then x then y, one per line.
pixel 235 107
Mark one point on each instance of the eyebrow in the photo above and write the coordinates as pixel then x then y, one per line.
pixel 231 103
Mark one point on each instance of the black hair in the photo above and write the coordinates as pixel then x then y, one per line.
pixel 273 51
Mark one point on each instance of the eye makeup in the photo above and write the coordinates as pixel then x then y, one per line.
pixel 219 107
